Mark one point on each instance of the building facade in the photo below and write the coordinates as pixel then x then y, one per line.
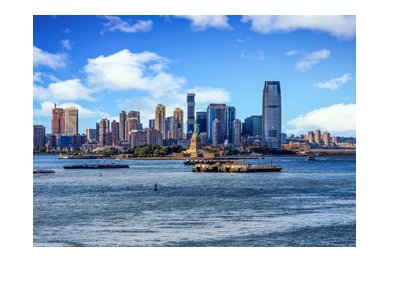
pixel 216 126
pixel 252 126
pixel 216 111
pixel 271 114
pixel 153 137
pixel 326 137
pixel 310 137
pixel 169 127
pixel 115 133
pixel 90 135
pixel 71 120
pixel 151 123
pixel 230 116
pixel 137 138
pixel 57 120
pixel 190 99
pixel 201 118
pixel 122 120
pixel 317 137
pixel 177 131
pixel 159 120
pixel 104 128
pixel 39 134
pixel 237 132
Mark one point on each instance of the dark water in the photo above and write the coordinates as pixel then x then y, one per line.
pixel 310 203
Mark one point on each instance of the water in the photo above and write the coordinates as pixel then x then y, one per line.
pixel 310 203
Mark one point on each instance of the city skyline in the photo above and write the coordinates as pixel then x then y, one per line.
pixel 70 71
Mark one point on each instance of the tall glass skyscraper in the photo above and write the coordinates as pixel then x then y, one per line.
pixel 190 113
pixel 202 121
pixel 271 114
pixel 230 116
pixel 216 111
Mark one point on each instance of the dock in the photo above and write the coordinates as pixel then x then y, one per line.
pixel 221 167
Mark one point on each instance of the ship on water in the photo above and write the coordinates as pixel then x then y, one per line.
pixel 233 167
pixel 96 166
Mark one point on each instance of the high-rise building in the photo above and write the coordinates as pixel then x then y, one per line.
pixel 169 127
pixel 159 120
pixel 201 118
pixel 57 121
pixel 132 122
pixel 71 120
pixel 216 111
pixel 317 137
pixel 104 127
pixel 39 133
pixel 271 114
pixel 335 140
pixel 177 131
pixel 230 116
pixel 253 125
pixel 97 132
pixel 153 137
pixel 310 137
pixel 216 126
pixel 190 112
pixel 237 132
pixel 137 138
pixel 326 137
pixel 134 114
pixel 151 123
pixel 203 138
pixel 122 120
pixel 90 135
pixel 115 133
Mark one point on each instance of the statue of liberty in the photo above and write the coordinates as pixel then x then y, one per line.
pixel 196 129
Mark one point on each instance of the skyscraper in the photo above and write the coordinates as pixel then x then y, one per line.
pixel 317 137
pixel 151 123
pixel 132 122
pixel 90 134
pixel 71 120
pixel 326 137
pixel 237 132
pixel 177 131
pixel 253 125
pixel 57 121
pixel 216 126
pixel 271 114
pixel 190 112
pixel 169 127
pixel 115 133
pixel 153 137
pixel 230 116
pixel 39 132
pixel 216 111
pixel 104 127
pixel 310 137
pixel 122 120
pixel 201 117
pixel 159 118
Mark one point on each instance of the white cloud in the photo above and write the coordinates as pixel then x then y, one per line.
pixel 62 91
pixel 66 44
pixel 257 56
pixel 333 83
pixel 311 59
pixel 338 118
pixel 47 106
pixel 292 53
pixel 206 95
pixel 200 23
pixel 53 61
pixel 114 23
pixel 40 77
pixel 343 27
pixel 125 70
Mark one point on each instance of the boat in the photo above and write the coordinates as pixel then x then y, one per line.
pixel 206 161
pixel 42 171
pixel 234 167
pixel 96 166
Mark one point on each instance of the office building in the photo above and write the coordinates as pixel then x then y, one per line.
pixel 169 127
pixel 190 113
pixel 132 122
pixel 317 137
pixel 137 138
pixel 104 128
pixel 153 137
pixel 91 134
pixel 271 114
pixel 230 116
pixel 252 126
pixel 216 126
pixel 237 132
pixel 115 133
pixel 159 120
pixel 216 111
pixel 39 133
pixel 201 118
pixel 177 131
pixel 71 120
pixel 122 121
pixel 326 137
pixel 57 121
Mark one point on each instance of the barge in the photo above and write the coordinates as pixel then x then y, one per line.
pixel 96 166
pixel 42 171
pixel 233 168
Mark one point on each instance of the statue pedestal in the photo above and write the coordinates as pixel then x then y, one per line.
pixel 195 147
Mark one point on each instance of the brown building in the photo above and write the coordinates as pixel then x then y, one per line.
pixel 153 137
pixel 159 120
pixel 104 128
pixel 109 139
pixel 317 137
pixel 71 120
pixel 57 121
pixel 326 137
pixel 137 138
pixel 310 137
pixel 177 131
pixel 115 132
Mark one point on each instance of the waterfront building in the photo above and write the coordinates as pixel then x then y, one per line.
pixel 137 138
pixel 216 126
pixel 153 137
pixel 177 131
pixel 252 126
pixel 71 120
pixel 104 127
pixel 190 99
pixel 201 117
pixel 317 137
pixel 237 132
pixel 151 123
pixel 122 121
pixel 326 137
pixel 57 121
pixel 115 133
pixel 39 133
pixel 310 137
pixel 271 114
pixel 216 111
pixel 90 134
pixel 159 120
pixel 169 127
pixel 230 116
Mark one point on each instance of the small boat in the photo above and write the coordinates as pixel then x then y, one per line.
pixel 155 187
pixel 42 171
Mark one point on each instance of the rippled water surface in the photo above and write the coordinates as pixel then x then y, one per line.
pixel 310 203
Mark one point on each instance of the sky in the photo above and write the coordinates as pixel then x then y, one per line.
pixel 105 64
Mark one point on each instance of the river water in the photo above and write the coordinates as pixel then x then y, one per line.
pixel 309 203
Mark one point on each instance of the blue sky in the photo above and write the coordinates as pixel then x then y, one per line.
pixel 108 63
